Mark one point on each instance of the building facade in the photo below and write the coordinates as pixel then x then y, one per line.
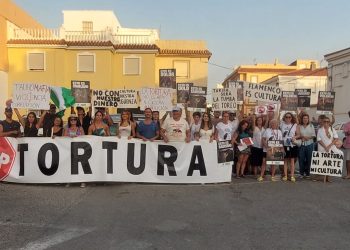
pixel 91 48
pixel 339 81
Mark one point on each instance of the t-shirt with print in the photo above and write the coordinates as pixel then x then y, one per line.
pixel 175 130
pixel 272 134
pixel 288 132
pixel 225 131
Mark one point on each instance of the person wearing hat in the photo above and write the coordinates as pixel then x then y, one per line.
pixel 9 127
pixel 175 128
pixel 49 118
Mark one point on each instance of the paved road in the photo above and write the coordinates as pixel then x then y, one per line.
pixel 241 215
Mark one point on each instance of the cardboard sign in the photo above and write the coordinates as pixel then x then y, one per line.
pixel 198 99
pixel 225 153
pixel 183 92
pixel 326 164
pixel 238 86
pixel 167 78
pixel 158 99
pixel 262 92
pixel 289 101
pixel 31 96
pixel 304 97
pixel 260 110
pixel 224 99
pixel 123 98
pixel 81 93
pixel 275 152
pixel 325 102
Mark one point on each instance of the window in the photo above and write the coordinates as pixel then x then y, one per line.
pixel 88 27
pixel 132 65
pixel 182 68
pixel 36 61
pixel 254 79
pixel 86 62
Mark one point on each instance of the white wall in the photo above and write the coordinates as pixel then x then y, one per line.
pixel 3 93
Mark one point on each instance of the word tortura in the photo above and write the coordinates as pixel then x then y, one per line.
pixel 81 152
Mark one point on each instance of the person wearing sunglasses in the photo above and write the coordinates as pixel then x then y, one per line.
pixel 73 130
pixel 288 127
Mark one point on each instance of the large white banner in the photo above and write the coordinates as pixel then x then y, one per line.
pixel 159 99
pixel 109 159
pixel 31 96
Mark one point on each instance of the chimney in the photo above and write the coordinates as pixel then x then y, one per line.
pixel 276 61
pixel 313 66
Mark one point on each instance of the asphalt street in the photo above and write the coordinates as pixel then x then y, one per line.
pixel 244 214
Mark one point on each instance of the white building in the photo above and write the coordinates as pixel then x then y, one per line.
pixel 339 81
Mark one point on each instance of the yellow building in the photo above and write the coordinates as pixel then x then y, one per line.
pixel 258 73
pixel 90 48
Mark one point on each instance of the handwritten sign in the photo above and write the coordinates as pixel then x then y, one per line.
pixel 31 96
pixel 323 163
pixel 262 92
pixel 224 99
pixel 156 98
pixel 122 98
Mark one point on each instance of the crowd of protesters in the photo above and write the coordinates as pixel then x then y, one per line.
pixel 301 135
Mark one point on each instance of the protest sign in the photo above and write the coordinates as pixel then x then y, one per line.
pixel 225 153
pixel 262 92
pixel 224 99
pixel 275 152
pixel 183 92
pixel 123 98
pixel 260 110
pixel 198 99
pixel 289 101
pixel 158 99
pixel 238 86
pixel 304 97
pixel 167 78
pixel 325 102
pixel 109 159
pixel 31 96
pixel 323 163
pixel 81 93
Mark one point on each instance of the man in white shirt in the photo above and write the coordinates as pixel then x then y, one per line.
pixel 175 128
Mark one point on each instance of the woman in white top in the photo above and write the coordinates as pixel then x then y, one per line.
pixel 257 153
pixel 195 125
pixel 271 133
pixel 305 134
pixel 288 127
pixel 206 131
pixel 126 127
pixel 224 129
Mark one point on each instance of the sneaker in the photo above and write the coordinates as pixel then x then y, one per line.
pixel 260 179
pixel 292 179
pixel 285 178
pixel 82 185
pixel 273 178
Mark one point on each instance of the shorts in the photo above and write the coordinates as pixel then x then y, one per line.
pixel 291 153
pixel 256 157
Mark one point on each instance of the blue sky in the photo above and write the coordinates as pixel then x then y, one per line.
pixel 236 32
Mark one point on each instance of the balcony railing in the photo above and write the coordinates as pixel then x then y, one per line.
pixel 58 34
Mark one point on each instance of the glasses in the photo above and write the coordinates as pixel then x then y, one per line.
pixel 73 119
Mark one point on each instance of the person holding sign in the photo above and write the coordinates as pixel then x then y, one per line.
pixel 288 127
pixel 256 158
pixel 98 127
pixel 271 133
pixel 31 125
pixel 175 128
pixel 243 152
pixel 73 130
pixel 9 127
pixel 206 131
pixel 148 129
pixel 306 134
pixel 327 139
pixel 126 127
